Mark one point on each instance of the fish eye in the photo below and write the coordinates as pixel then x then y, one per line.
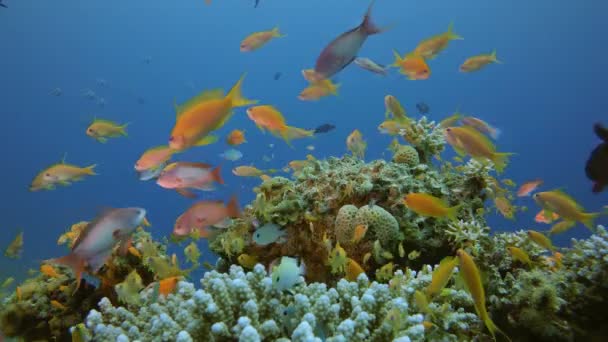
pixel 257 235
pixel 278 279
pixel 171 139
pixel 448 129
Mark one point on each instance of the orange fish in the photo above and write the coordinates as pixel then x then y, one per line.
pixel 168 285
pixel 504 207
pixel 58 305
pixel 413 66
pixel 236 137
pixel 258 39
pixel 60 174
pixel 359 233
pixel 154 158
pixel 268 117
pixel 49 271
pixel 427 205
pixel 527 188
pixel 476 144
pixel 203 114
pixel 542 218
pixel 431 47
pixel 315 91
pixel 477 62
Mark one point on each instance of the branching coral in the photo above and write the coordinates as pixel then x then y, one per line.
pixel 246 306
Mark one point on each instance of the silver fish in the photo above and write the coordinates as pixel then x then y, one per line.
pixel 343 50
pixel 369 65
pixel 96 242
pixel 146 175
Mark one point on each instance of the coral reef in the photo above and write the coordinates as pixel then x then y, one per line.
pixel 406 155
pixel 46 306
pixel 246 307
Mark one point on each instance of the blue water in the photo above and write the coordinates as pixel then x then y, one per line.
pixel 545 97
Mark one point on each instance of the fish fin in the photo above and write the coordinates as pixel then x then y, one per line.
pixel 276 33
pixel 97 261
pixel 494 58
pixel 124 246
pixel 368 25
pixel 101 140
pixel 233 207
pixel 587 219
pixel 450 33
pixel 196 165
pixel 398 60
pixel 598 187
pixel 72 261
pixel 202 97
pixel 90 170
pixel 65 155
pixel 207 140
pixel 500 161
pixel 217 175
pixel 123 129
pixel 185 192
pixel 600 131
pixel 235 96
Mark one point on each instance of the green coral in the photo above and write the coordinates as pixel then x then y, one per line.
pixel 381 224
pixel 345 224
pixel 406 155
pixel 277 202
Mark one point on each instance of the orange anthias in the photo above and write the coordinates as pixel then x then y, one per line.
pixel 203 114
pixel 167 285
pixel 428 205
pixel 413 66
pixel 236 137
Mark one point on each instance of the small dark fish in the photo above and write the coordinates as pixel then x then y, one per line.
pixel 324 128
pixel 597 164
pixel 277 76
pixel 423 108
pixel 257 2
pixel 3 5
pixel 343 50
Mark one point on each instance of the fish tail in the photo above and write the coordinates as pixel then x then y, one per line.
pixel 123 129
pixel 451 35
pixel 236 97
pixel 285 134
pixel 72 261
pixel 368 25
pixel 494 58
pixel 233 207
pixel 453 212
pixel 90 170
pixel 398 59
pixel 500 161
pixel 588 218
pixel 495 329
pixel 276 33
pixel 216 175
pixel 495 133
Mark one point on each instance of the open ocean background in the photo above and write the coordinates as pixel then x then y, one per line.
pixel 545 97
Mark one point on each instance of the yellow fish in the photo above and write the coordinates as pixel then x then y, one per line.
pixel 519 255
pixel 441 276
pixel 337 259
pixel 353 269
pixel 477 62
pixel 541 240
pixel 247 261
pixel 561 227
pixel 428 205
pixel 60 174
pixel 472 281
pixel 15 248
pixel 560 203
pixel 101 130
pixel 431 47
pixel 394 107
pixel 356 145
pixel 385 272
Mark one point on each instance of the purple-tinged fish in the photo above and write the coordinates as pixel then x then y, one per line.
pixel 96 242
pixel 343 50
